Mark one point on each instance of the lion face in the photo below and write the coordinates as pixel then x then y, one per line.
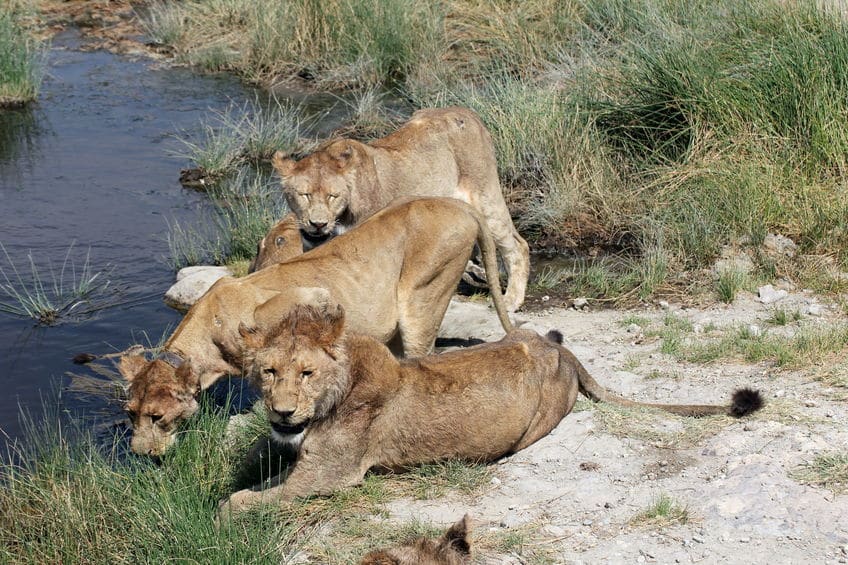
pixel 302 371
pixel 160 398
pixel 317 188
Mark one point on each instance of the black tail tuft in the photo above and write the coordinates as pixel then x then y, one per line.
pixel 746 401
pixel 555 336
pixel 83 358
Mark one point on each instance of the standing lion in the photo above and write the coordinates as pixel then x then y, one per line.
pixel 438 152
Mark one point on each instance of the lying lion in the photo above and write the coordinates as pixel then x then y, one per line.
pixel 281 243
pixel 350 406
pixel 438 152
pixel 395 274
pixel 452 548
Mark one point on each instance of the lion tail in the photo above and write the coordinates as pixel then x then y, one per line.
pixel 490 264
pixel 744 401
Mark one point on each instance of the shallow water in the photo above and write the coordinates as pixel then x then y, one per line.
pixel 92 163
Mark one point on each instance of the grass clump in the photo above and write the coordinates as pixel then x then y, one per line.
pixel 243 209
pixel 664 511
pixel 434 480
pixel 68 292
pixel 730 282
pixel 829 470
pixel 22 59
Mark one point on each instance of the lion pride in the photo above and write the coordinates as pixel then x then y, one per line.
pixel 348 405
pixel 395 274
pixel 438 152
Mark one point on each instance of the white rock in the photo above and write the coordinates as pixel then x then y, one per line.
pixel 192 283
pixel 769 295
pixel 780 244
pixel 664 304
pixel 755 330
pixel 814 309
pixel 634 328
pixel 580 303
pixel 495 481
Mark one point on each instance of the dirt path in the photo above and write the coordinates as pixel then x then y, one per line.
pixel 574 496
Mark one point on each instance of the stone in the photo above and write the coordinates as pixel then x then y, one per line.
pixel 814 310
pixel 778 244
pixel 580 303
pixel 754 330
pixel 768 295
pixel 664 304
pixel 192 283
pixel 634 328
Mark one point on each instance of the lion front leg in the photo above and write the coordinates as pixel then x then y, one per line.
pixel 314 474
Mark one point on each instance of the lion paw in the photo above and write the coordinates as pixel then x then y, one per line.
pixel 236 503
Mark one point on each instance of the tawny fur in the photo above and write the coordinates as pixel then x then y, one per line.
pixel 281 243
pixel 394 274
pixel 438 152
pixel 362 409
pixel 451 548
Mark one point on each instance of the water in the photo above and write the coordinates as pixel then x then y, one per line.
pixel 92 162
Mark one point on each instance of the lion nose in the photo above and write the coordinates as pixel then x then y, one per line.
pixel 284 414
pixel 318 225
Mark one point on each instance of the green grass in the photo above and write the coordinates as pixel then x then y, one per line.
pixel 828 470
pixel 658 130
pixel 729 283
pixel 664 511
pixel 244 207
pixel 67 292
pixel 809 346
pixel 22 59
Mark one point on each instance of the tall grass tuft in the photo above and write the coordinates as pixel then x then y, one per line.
pixel 22 59
pixel 70 291
pixel 66 501
pixel 244 207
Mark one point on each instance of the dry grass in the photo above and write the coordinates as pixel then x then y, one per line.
pixel 829 470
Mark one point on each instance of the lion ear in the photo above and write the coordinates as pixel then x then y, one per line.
pixel 131 365
pixel 186 375
pixel 334 321
pixel 282 164
pixel 456 538
pixel 251 338
pixel 342 153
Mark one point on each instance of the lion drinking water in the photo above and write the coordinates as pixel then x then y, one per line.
pixel 395 274
pixel 438 152
pixel 349 406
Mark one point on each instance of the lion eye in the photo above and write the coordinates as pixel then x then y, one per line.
pixel 155 418
pixel 130 413
pixel 269 372
pixel 332 197
pixel 280 241
pixel 304 195
pixel 304 374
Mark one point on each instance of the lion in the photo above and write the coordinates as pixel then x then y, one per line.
pixel 348 406
pixel 452 548
pixel 395 274
pixel 438 152
pixel 281 243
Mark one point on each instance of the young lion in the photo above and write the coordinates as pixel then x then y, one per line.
pixel 452 548
pixel 395 274
pixel 438 152
pixel 281 243
pixel 350 406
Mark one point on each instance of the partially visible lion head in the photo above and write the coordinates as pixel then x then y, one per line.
pixel 318 187
pixel 452 548
pixel 300 365
pixel 281 243
pixel 160 398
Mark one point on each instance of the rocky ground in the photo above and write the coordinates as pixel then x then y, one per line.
pixel 580 494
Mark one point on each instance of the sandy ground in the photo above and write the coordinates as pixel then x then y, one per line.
pixel 572 497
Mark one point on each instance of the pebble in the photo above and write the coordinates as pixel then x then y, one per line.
pixel 634 328
pixel 587 522
pixel 495 481
pixel 780 393
pixel 815 310
pixel 664 304
pixel 546 298
pixel 810 403
pixel 580 303
pixel 697 539
pixel 755 330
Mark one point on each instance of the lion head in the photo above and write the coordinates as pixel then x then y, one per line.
pixel 281 243
pixel 300 365
pixel 452 548
pixel 318 187
pixel 160 398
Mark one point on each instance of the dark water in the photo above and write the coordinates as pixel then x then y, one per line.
pixel 92 163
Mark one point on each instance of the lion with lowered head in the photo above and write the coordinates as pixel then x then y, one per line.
pixel 281 243
pixel 395 274
pixel 451 548
pixel 438 152
pixel 348 405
